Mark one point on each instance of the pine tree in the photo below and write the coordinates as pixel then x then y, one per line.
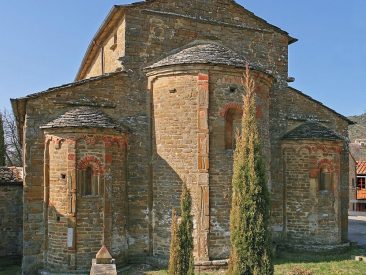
pixel 174 251
pixel 181 260
pixel 2 143
pixel 249 217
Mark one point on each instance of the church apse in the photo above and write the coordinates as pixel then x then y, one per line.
pixel 85 189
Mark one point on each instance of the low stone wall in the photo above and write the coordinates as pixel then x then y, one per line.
pixel 11 219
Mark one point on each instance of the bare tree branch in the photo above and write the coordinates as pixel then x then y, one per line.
pixel 13 149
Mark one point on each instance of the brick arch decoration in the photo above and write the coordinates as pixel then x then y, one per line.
pixel 92 161
pixel 326 163
pixel 230 106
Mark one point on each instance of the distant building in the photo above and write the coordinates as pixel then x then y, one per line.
pixel 359 196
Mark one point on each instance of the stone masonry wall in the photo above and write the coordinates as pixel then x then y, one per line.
pixel 174 150
pixel 131 110
pixel 57 207
pixel 288 109
pixel 95 219
pixel 222 99
pixel 312 213
pixel 11 222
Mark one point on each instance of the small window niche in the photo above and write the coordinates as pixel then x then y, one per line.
pixel 115 40
pixel 89 182
pixel 325 180
pixel 232 127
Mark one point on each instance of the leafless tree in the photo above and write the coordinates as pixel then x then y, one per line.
pixel 13 149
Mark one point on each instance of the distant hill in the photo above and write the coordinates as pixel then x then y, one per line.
pixel 358 130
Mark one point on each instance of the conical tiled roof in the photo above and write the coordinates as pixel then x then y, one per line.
pixel 207 53
pixel 312 130
pixel 84 117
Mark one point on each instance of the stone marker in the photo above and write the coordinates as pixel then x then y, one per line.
pixel 103 264
pixel 360 258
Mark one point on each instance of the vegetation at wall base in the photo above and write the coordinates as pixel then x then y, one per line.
pixel 249 218
pixel 181 260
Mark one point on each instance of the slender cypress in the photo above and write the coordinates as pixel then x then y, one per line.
pixel 185 231
pixel 181 260
pixel 250 209
pixel 2 142
pixel 174 248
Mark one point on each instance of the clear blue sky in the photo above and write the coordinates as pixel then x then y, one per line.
pixel 43 42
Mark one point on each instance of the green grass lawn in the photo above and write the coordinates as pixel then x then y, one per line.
pixel 331 263
pixel 285 264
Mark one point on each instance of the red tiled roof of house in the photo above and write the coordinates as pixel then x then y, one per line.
pixel 361 167
pixel 10 175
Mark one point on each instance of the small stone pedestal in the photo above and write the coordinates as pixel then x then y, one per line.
pixel 103 264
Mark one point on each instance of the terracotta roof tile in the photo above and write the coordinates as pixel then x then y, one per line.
pixel 361 168
pixel 11 175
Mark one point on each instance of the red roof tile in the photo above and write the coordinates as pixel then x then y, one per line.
pixel 11 175
pixel 361 167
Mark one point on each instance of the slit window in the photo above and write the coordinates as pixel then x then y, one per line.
pixel 325 181
pixel 232 127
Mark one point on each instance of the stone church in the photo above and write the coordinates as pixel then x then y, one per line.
pixel 156 103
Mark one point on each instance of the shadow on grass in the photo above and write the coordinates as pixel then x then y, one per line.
pixel 10 265
pixel 294 257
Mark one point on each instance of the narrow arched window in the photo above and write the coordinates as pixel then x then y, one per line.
pixel 325 180
pixel 89 182
pixel 232 127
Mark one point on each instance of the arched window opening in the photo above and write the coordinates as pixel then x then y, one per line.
pixel 232 127
pixel 89 182
pixel 325 180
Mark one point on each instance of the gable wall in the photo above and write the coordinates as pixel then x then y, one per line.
pixel 130 110
pixel 111 52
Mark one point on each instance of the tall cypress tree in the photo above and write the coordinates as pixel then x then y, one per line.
pixel 174 248
pixel 185 231
pixel 181 260
pixel 249 217
pixel 2 142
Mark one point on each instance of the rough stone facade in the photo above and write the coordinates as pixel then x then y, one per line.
pixel 163 78
pixel 11 209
